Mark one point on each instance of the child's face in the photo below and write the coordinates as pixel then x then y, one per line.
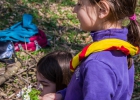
pixel 44 85
pixel 87 15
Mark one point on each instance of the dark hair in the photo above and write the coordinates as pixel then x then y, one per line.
pixel 120 10
pixel 55 67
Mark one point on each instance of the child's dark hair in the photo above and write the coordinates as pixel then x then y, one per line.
pixel 55 67
pixel 121 9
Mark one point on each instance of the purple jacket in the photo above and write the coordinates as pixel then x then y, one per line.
pixel 103 75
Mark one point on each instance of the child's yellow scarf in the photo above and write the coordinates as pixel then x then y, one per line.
pixel 103 45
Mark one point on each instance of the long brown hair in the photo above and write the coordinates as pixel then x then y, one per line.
pixel 120 10
pixel 123 9
pixel 55 67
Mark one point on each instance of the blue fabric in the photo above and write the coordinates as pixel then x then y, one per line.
pixel 103 75
pixel 21 31
pixel 6 50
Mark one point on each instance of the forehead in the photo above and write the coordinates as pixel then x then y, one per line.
pixel 79 0
pixel 40 76
pixel 83 1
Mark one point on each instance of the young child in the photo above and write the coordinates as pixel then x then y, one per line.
pixel 104 69
pixel 53 72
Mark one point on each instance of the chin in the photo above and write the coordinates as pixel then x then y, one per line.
pixel 86 29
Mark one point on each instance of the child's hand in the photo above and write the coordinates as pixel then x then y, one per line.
pixel 39 97
pixel 52 96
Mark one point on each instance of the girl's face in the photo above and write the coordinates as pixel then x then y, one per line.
pixel 44 85
pixel 87 15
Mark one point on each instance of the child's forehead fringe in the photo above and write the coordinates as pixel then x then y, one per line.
pixel 79 0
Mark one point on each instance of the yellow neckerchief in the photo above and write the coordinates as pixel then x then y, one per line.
pixel 103 45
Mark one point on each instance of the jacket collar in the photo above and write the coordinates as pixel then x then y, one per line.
pixel 110 33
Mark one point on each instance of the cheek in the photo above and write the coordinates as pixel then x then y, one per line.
pixel 85 21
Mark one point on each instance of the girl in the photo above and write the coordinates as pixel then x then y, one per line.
pixel 53 72
pixel 104 69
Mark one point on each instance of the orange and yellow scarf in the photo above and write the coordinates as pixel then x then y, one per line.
pixel 103 45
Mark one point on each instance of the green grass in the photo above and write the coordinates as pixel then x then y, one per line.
pixel 68 3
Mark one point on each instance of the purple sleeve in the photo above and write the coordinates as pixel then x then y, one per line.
pixel 99 81
pixel 62 92
pixel 131 80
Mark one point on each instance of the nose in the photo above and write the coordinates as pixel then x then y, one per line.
pixel 39 86
pixel 75 9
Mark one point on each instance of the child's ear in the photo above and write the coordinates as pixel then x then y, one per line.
pixel 103 9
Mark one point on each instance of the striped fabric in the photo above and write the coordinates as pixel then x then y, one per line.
pixel 103 45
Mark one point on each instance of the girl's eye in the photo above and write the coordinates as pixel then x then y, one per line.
pixel 78 4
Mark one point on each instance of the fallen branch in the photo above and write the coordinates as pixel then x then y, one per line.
pixel 21 78
pixel 137 98
pixel 11 70
pixel 26 69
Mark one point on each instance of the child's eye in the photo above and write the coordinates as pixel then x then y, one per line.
pixel 78 4
pixel 46 85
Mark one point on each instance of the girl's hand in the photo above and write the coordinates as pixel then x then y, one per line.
pixel 39 97
pixel 52 96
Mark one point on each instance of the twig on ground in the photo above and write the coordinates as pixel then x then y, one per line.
pixel 137 98
pixel 30 55
pixel 25 81
pixel 11 95
pixel 26 69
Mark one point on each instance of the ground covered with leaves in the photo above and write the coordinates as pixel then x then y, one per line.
pixel 62 30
